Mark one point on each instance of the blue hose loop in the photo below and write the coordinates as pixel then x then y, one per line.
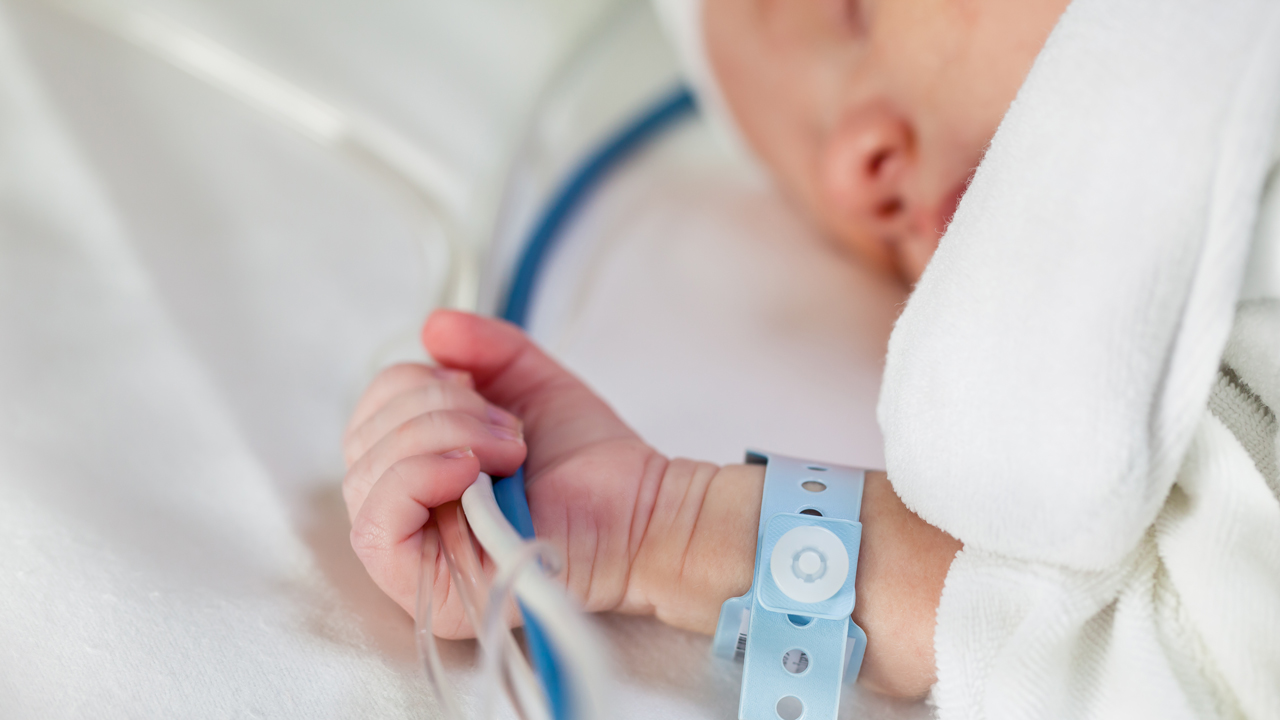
pixel 509 492
pixel 664 113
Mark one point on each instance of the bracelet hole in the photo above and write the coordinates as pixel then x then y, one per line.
pixel 795 661
pixel 811 511
pixel 816 468
pixel 813 486
pixel 790 708
pixel 799 620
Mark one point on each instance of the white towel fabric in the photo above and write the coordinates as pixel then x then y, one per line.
pixel 1044 399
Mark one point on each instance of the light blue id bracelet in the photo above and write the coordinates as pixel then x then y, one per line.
pixel 793 630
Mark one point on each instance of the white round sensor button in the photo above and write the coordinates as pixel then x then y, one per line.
pixel 809 564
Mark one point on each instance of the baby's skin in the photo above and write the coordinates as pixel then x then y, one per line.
pixel 871 115
pixel 640 533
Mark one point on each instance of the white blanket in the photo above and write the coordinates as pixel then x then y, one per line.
pixel 1045 394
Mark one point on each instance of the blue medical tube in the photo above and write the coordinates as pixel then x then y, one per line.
pixel 668 109
pixel 665 112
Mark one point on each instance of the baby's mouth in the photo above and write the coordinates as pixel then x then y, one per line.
pixel 911 250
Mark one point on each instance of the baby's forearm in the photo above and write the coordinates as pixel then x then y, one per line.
pixel 699 550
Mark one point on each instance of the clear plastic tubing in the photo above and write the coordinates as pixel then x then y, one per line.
pixel 448 538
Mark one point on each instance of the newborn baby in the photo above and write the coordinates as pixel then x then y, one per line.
pixel 1120 537
pixel 872 116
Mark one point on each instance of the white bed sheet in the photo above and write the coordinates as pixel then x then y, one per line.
pixel 190 299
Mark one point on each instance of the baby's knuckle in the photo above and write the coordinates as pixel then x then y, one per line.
pixel 414 428
pixel 438 395
pixel 430 424
pixel 354 446
pixel 368 538
pixel 353 479
pixel 411 428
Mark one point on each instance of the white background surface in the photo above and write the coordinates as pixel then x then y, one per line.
pixel 190 299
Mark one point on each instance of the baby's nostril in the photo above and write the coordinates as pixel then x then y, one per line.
pixel 877 161
pixel 889 208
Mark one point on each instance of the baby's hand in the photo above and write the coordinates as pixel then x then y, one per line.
pixel 420 435
pixel 639 533
pixel 417 439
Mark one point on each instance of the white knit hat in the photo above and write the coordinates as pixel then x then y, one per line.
pixel 683 22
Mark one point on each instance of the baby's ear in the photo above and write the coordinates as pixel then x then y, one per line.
pixel 863 166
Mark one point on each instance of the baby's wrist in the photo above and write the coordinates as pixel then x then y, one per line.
pixel 699 546
pixel 698 550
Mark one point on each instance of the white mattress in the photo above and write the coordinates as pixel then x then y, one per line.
pixel 191 298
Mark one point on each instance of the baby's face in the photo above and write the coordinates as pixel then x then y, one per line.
pixel 872 114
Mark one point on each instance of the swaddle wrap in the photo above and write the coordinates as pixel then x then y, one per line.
pixel 1044 399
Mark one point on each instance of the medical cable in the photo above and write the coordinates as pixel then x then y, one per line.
pixel 575 639
pixel 479 600
pixel 446 197
pixel 650 123
pixel 537 556
pixel 437 186
pixel 425 176
pixel 666 111
pixel 424 607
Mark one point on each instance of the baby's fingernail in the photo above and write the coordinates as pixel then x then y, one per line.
pixel 458 377
pixel 459 453
pixel 505 433
pixel 502 418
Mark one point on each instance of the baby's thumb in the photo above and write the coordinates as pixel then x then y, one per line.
pixel 560 413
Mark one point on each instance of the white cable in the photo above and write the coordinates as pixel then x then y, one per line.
pixel 446 197
pixel 444 191
pixel 575 640
pixel 471 585
pixel 424 606
pixel 494 628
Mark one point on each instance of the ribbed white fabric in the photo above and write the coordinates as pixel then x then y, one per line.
pixel 1044 399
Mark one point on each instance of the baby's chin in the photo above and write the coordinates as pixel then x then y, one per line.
pixel 913 254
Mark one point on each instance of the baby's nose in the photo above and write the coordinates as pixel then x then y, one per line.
pixel 867 166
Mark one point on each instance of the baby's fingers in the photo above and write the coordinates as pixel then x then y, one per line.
pixel 427 397
pixel 386 533
pixel 398 380
pixel 499 448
